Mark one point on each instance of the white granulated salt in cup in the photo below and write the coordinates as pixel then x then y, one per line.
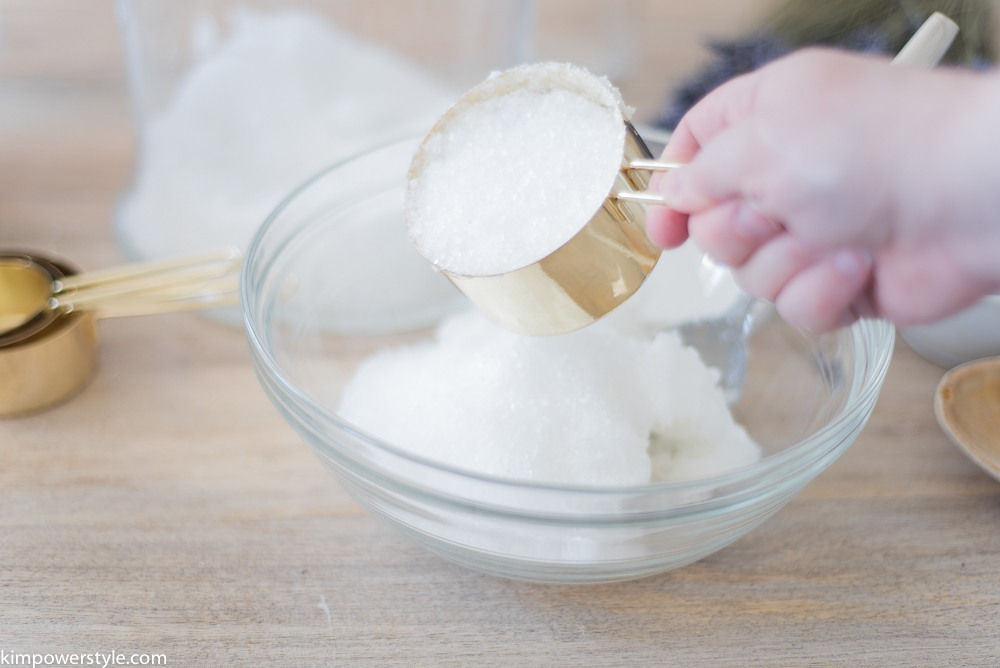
pixel 505 180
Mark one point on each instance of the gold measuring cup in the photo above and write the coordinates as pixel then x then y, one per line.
pixel 48 314
pixel 600 266
pixel 604 263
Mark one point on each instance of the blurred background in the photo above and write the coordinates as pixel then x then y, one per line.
pixel 72 140
pixel 68 142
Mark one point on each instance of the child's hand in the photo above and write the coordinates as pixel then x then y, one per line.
pixel 836 187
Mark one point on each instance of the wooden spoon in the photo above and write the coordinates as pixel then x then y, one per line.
pixel 967 406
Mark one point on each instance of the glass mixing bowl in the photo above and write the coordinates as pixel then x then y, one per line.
pixel 331 277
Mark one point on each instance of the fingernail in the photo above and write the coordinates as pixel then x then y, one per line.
pixel 852 262
pixel 751 224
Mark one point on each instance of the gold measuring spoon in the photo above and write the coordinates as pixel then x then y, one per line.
pixel 604 263
pixel 25 287
pixel 967 406
pixel 48 313
pixel 33 291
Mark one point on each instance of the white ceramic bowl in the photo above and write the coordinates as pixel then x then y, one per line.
pixel 968 335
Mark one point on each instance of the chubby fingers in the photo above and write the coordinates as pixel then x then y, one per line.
pixel 668 226
pixel 732 231
pixel 706 191
pixel 665 227
pixel 766 272
pixel 713 190
pixel 820 298
pixel 814 291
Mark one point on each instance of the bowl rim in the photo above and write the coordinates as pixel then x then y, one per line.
pixel 876 363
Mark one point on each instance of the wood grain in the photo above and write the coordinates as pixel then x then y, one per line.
pixel 169 509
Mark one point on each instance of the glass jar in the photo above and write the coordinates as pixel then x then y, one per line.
pixel 238 101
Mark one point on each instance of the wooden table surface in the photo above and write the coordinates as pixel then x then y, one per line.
pixel 169 509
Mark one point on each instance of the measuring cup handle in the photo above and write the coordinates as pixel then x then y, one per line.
pixel 646 197
pixel 654 165
pixel 642 198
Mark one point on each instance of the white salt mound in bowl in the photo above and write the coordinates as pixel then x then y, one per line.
pixel 508 176
pixel 592 408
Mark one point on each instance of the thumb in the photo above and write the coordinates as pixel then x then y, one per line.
pixel 679 194
pixel 720 171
